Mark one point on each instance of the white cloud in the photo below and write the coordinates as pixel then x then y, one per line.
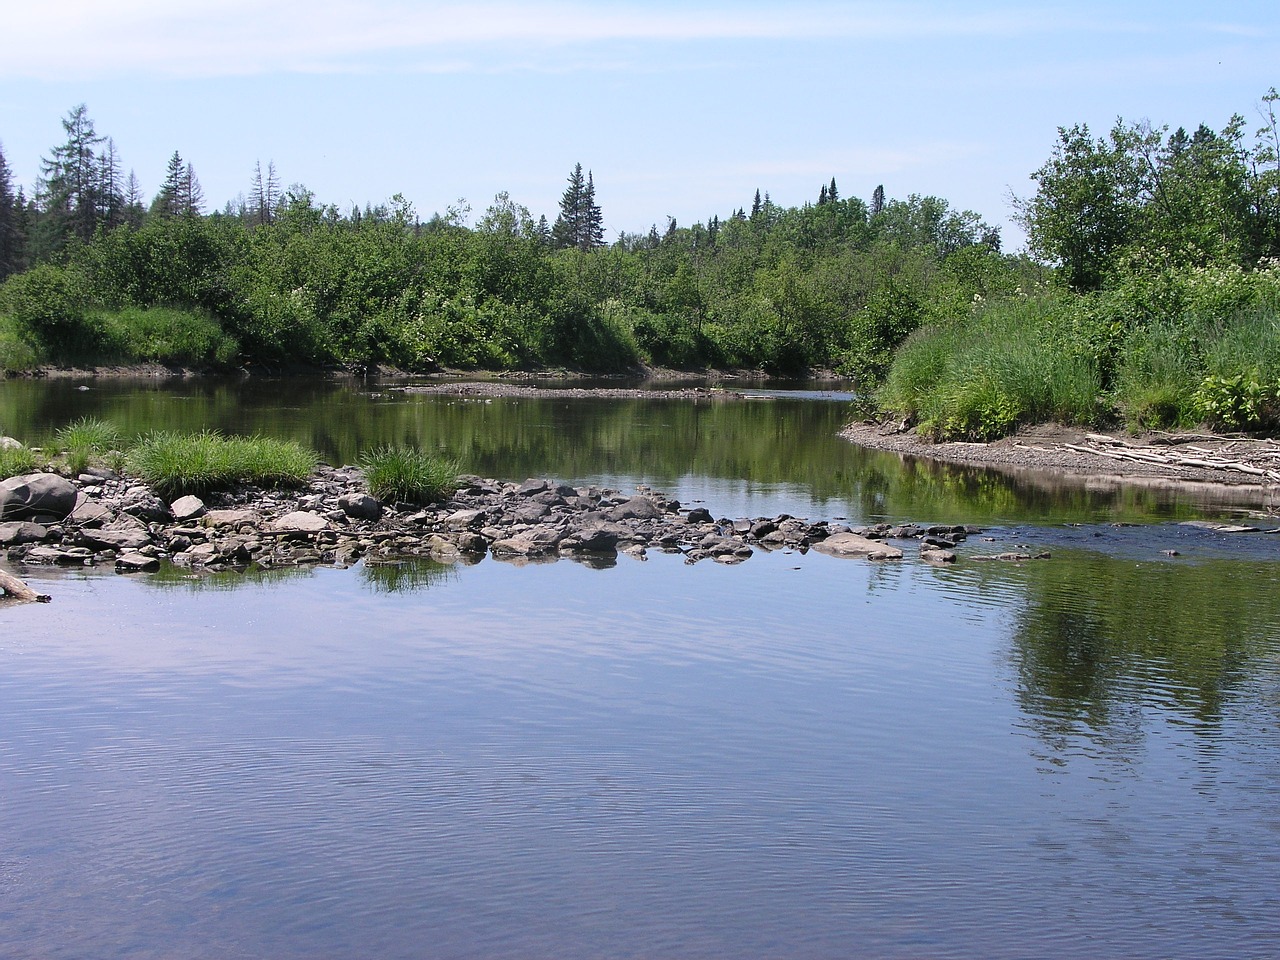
pixel 89 38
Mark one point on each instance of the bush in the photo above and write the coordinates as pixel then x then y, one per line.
pixel 166 335
pixel 88 433
pixel 17 354
pixel 48 303
pixel 178 464
pixel 400 473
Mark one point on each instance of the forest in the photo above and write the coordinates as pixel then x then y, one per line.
pixel 1149 294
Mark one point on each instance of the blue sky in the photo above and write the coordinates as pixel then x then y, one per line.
pixel 679 109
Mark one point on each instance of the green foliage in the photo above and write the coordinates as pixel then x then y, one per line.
pixel 397 473
pixel 16 461
pixel 16 351
pixel 1240 402
pixel 978 378
pixel 177 464
pixel 48 304
pixel 164 335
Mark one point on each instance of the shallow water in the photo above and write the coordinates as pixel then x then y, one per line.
pixel 797 756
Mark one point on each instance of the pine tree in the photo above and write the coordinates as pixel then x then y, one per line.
pixel 580 223
pixel 192 193
pixel 168 202
pixel 832 193
pixel 69 184
pixel 110 198
pixel 877 201
pixel 264 195
pixel 10 239
pixel 822 195
pixel 755 205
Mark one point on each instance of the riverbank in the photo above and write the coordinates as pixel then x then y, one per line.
pixel 1181 457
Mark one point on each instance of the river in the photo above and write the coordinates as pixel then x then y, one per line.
pixel 797 756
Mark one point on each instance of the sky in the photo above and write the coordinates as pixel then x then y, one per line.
pixel 679 109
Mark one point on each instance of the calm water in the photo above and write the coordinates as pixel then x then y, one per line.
pixel 798 756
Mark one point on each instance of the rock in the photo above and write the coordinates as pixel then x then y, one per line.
pixel 18 532
pixel 1220 527
pixel 37 495
pixel 74 556
pixel 102 539
pixel 461 519
pixel 187 508
pixel 636 508
pixel 360 506
pixel 149 509
pixel 8 443
pixel 532 486
pixel 300 521
pixel 698 515
pixel 134 562
pixel 534 542
pixel 936 555
pixel 229 518
pixel 853 545
pixel 89 514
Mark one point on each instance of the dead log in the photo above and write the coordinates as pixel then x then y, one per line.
pixel 14 587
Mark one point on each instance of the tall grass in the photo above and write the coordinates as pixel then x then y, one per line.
pixel 177 464
pixel 979 378
pixel 88 433
pixel 164 335
pixel 16 352
pixel 15 461
pixel 407 474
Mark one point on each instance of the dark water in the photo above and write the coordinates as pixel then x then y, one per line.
pixel 798 756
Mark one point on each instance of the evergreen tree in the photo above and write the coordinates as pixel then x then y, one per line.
pixel 168 201
pixel 10 240
pixel 67 192
pixel 832 193
pixel 134 211
pixel 822 195
pixel 580 223
pixel 110 196
pixel 755 205
pixel 877 201
pixel 192 193
pixel 264 195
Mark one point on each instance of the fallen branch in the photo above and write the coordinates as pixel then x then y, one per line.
pixel 16 588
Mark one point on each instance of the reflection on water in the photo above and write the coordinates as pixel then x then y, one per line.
pixel 798 756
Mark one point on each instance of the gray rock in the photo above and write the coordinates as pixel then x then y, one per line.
pixel 229 518
pixel 134 562
pixel 187 508
pixel 636 508
pixel 90 514
pixel 18 532
pixel 461 519
pixel 300 521
pixel 698 515
pixel 853 545
pixel 102 539
pixel 8 443
pixel 149 509
pixel 37 495
pixel 360 506
pixel 936 556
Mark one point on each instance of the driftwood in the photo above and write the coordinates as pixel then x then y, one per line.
pixel 1206 460
pixel 14 587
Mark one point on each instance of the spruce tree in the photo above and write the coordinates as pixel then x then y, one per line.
pixel 592 218
pixel 755 205
pixel 568 226
pixel 67 192
pixel 877 201
pixel 168 202
pixel 832 193
pixel 10 240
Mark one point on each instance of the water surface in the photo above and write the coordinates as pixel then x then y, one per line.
pixel 797 756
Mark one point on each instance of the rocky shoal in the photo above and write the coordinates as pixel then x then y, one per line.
pixel 334 521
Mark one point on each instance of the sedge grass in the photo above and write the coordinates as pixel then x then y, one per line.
pixel 407 474
pixel 177 464
pixel 89 434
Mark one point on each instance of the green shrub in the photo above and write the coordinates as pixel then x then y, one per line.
pixel 165 335
pixel 401 473
pixel 48 303
pixel 177 464
pixel 1157 373
pixel 17 354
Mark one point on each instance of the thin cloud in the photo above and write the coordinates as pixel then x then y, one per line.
pixel 240 37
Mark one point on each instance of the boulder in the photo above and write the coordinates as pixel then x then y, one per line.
pixel 37 495
pixel 187 508
pixel 18 532
pixel 360 506
pixel 111 539
pixel 229 518
pixel 300 521
pixel 134 562
pixel 8 443
pixel 90 514
pixel 637 508
pixel 853 545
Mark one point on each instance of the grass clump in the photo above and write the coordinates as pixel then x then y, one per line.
pixel 178 464
pixel 406 474
pixel 88 433
pixel 16 461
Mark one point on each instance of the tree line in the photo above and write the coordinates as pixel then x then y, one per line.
pixel 281 277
